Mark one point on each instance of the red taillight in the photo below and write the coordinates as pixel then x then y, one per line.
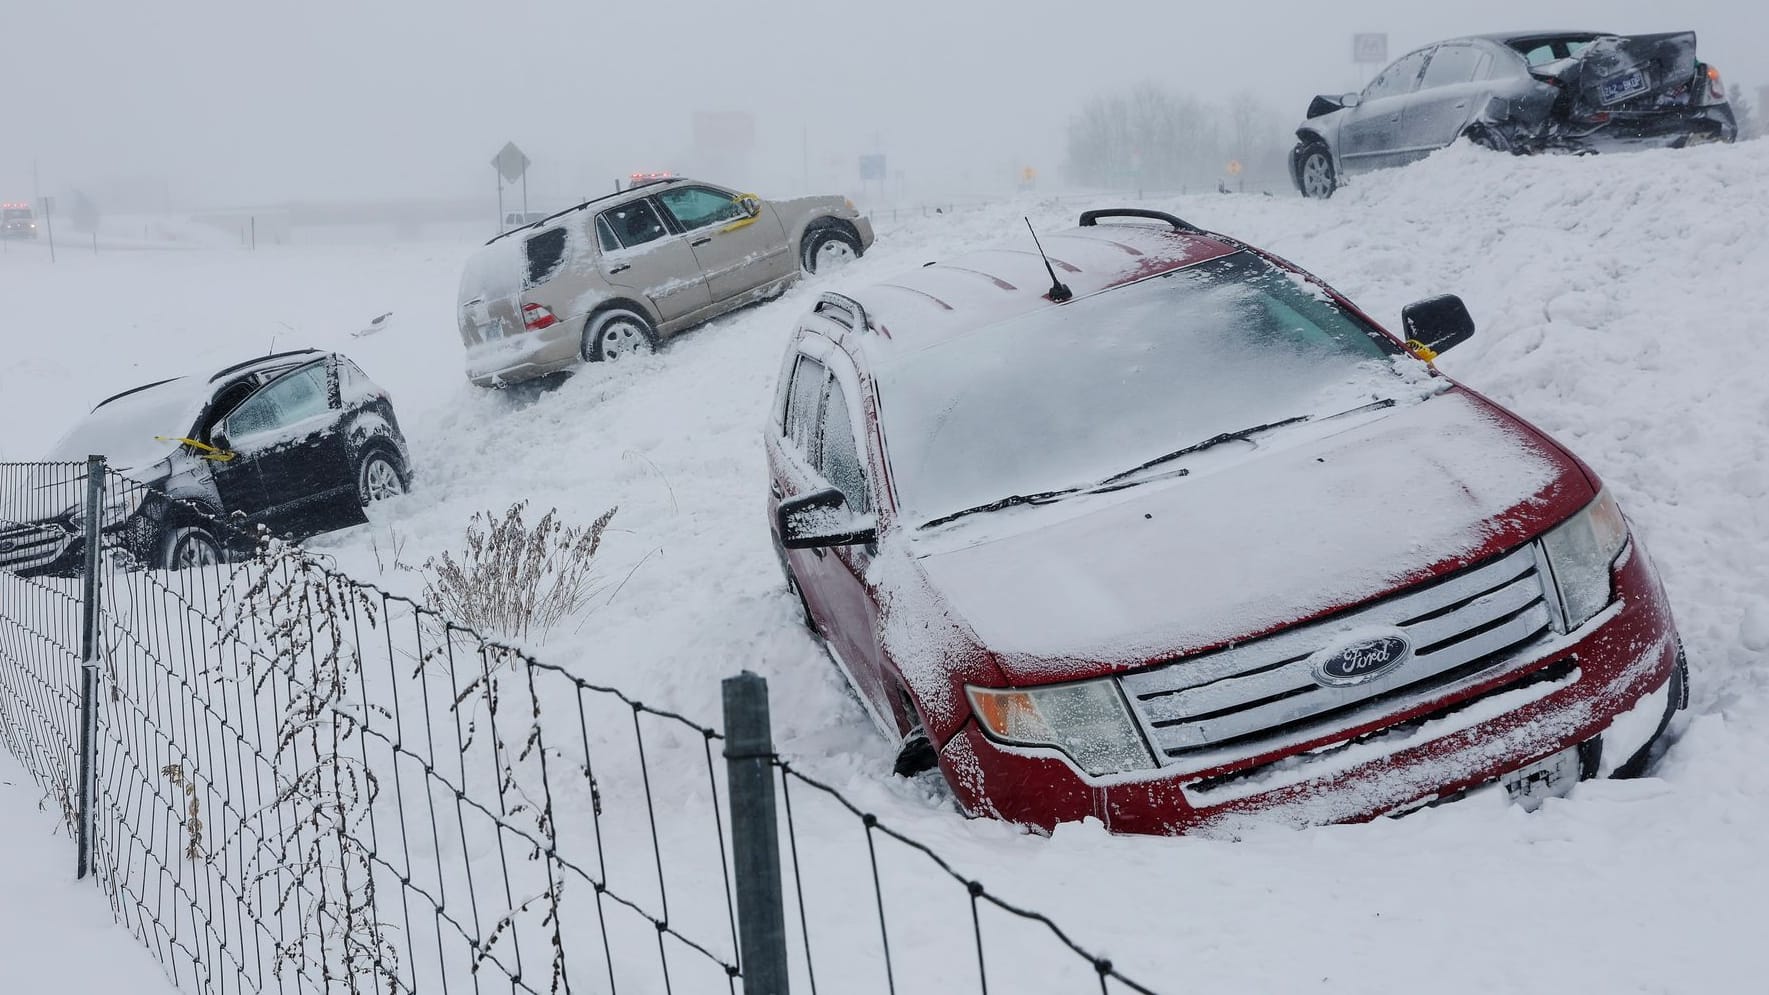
pixel 536 317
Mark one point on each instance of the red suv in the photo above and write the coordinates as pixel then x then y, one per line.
pixel 1162 530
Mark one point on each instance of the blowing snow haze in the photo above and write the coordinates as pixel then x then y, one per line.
pixel 211 104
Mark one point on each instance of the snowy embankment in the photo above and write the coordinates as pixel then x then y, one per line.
pixel 1618 299
pixel 56 935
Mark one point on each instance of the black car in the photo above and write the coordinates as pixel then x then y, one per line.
pixel 1579 91
pixel 296 442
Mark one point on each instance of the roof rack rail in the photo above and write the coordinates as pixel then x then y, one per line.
pixel 235 368
pixel 856 320
pixel 1091 218
pixel 134 390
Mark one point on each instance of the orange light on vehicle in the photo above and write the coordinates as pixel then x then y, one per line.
pixel 1007 714
pixel 1713 74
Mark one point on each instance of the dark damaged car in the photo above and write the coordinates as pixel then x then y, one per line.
pixel 297 443
pixel 1575 91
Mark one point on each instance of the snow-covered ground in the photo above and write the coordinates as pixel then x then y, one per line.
pixel 56 934
pixel 1619 302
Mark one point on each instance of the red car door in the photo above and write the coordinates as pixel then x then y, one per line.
pixel 820 448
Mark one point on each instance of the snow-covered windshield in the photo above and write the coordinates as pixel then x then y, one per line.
pixel 1069 396
pixel 123 430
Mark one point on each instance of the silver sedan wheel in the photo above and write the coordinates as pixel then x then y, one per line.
pixel 621 339
pixel 1317 176
pixel 833 254
pixel 380 480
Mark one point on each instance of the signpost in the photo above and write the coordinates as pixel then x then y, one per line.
pixel 1234 169
pixel 86 217
pixel 1369 49
pixel 511 165
pixel 49 225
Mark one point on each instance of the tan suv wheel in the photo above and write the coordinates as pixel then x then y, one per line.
pixel 617 334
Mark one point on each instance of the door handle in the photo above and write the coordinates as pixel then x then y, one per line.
pixel 701 241
pixel 622 268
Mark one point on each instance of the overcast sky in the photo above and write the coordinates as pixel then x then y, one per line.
pixel 232 102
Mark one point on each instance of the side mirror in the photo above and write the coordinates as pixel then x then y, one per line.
pixel 1436 324
pixel 1351 100
pixel 822 518
pixel 219 449
pixel 751 204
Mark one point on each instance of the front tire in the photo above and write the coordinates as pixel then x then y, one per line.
pixel 829 249
pixel 1487 138
pixel 1315 176
pixel 617 335
pixel 189 546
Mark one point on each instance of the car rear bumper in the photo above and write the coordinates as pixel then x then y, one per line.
pixel 1660 129
pixel 1593 686
pixel 524 356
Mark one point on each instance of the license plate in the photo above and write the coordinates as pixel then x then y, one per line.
pixel 1622 87
pixel 1551 777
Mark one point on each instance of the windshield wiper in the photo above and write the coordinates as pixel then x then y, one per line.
pixel 1012 500
pixel 1238 434
pixel 1198 447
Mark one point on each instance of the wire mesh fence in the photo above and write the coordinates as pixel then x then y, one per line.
pixel 301 782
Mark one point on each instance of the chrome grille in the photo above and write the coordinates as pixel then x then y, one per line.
pixel 25 546
pixel 1466 623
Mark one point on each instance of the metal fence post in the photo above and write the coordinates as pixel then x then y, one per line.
pixel 92 529
pixel 755 836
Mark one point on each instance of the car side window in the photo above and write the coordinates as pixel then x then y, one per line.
pixel 803 408
pixel 635 223
pixel 293 398
pixel 605 236
pixel 1398 79
pixel 841 464
pixel 1539 54
pixel 545 252
pixel 698 207
pixel 1451 64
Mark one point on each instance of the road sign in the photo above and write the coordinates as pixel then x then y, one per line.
pixel 510 162
pixel 1369 48
pixel 85 213
pixel 872 167
pixel 1234 167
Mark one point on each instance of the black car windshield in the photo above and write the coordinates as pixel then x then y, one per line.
pixel 123 430
pixel 1073 395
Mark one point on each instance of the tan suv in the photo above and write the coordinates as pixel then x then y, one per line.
pixel 615 276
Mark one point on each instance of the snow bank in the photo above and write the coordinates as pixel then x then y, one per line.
pixel 1612 294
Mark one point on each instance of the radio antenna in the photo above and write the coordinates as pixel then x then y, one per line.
pixel 1059 291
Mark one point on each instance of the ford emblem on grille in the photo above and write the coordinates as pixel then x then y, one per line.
pixel 1361 660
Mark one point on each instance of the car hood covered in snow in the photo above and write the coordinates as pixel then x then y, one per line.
pixel 1255 537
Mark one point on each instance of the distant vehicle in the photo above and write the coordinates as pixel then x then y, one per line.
pixel 615 276
pixel 1581 91
pixel 297 442
pixel 1202 547
pixel 17 220
pixel 517 219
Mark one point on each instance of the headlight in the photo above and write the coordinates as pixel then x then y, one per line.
pixel 1581 551
pixel 117 509
pixel 1088 721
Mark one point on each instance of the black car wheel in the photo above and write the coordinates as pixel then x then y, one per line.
pixel 829 249
pixel 1487 137
pixel 617 334
pixel 190 546
pixel 1314 171
pixel 378 478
